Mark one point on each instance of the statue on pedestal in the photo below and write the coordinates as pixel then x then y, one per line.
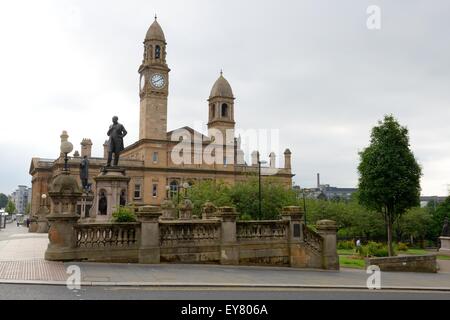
pixel 445 229
pixel 116 134
pixel 84 173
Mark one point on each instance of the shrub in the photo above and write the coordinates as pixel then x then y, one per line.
pixel 245 217
pixel 401 246
pixel 124 214
pixel 374 249
pixel 346 245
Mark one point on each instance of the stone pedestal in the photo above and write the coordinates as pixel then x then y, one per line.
pixel 149 249
pixel 209 211
pixel 229 247
pixel 445 245
pixel 185 209
pixel 64 193
pixel 328 230
pixel 33 224
pixel 110 185
pixel 294 216
pixel 169 211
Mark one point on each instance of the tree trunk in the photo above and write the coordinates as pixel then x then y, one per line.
pixel 389 234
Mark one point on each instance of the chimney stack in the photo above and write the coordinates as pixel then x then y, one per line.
pixel 318 181
pixel 86 148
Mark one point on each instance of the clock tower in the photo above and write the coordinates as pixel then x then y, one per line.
pixel 154 85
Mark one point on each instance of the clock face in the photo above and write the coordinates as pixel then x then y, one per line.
pixel 157 80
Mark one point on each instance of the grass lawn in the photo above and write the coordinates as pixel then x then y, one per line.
pixel 346 252
pixel 347 261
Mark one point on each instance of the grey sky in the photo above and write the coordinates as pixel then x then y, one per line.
pixel 309 68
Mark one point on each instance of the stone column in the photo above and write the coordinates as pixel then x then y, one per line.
pixel 328 230
pixel 294 216
pixel 229 247
pixel 149 248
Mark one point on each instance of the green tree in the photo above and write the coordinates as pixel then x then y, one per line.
pixel 415 224
pixel 438 215
pixel 389 175
pixel 10 207
pixel 3 200
pixel 28 208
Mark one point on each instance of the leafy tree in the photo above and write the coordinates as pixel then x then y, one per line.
pixel 3 200
pixel 414 224
pixel 215 191
pixel 438 215
pixel 389 175
pixel 10 207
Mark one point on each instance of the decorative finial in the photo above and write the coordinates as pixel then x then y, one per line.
pixel 221 72
pixel 156 17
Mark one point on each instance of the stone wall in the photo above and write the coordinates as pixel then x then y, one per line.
pixel 220 239
pixel 425 263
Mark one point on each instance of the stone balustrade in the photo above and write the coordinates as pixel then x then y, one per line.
pixel 262 230
pixel 119 235
pixel 173 233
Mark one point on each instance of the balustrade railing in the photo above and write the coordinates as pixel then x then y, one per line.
pixel 175 233
pixel 261 230
pixel 312 239
pixel 120 235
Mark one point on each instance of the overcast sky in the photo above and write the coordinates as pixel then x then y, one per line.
pixel 311 69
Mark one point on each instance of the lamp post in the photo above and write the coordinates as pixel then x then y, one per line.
pixel 66 148
pixel 259 185
pixel 304 204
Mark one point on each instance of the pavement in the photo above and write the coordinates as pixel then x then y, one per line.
pixel 21 262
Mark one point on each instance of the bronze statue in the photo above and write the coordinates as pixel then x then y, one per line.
pixel 116 134
pixel 84 173
pixel 446 229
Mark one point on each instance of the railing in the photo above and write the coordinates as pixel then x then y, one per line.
pixel 120 235
pixel 261 230
pixel 176 233
pixel 312 239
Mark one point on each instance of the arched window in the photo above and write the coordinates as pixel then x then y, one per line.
pixel 224 110
pixel 157 52
pixel 173 188
pixel 123 198
pixel 102 204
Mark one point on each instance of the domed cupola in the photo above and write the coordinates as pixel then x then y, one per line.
pixel 221 88
pixel 221 110
pixel 155 32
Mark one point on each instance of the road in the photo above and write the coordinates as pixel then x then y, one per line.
pixel 44 292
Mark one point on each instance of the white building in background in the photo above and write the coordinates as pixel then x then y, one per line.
pixel 21 198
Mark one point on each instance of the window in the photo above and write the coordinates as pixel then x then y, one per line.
pixel 137 191
pixel 155 190
pixel 213 111
pixel 157 52
pixel 173 188
pixel 155 157
pixel 224 110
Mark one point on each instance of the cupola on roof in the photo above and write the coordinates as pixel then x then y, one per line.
pixel 221 88
pixel 155 32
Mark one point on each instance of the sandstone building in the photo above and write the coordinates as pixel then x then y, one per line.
pixel 149 162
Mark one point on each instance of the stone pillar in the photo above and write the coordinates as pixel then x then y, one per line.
pixel 328 230
pixel 86 148
pixel 185 208
pixel 111 182
pixel 272 158
pixel 169 211
pixel 229 247
pixel 149 249
pixel 287 159
pixel 294 216
pixel 255 158
pixel 445 245
pixel 64 193
pixel 41 220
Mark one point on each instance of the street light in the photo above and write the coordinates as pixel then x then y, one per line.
pixel 259 185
